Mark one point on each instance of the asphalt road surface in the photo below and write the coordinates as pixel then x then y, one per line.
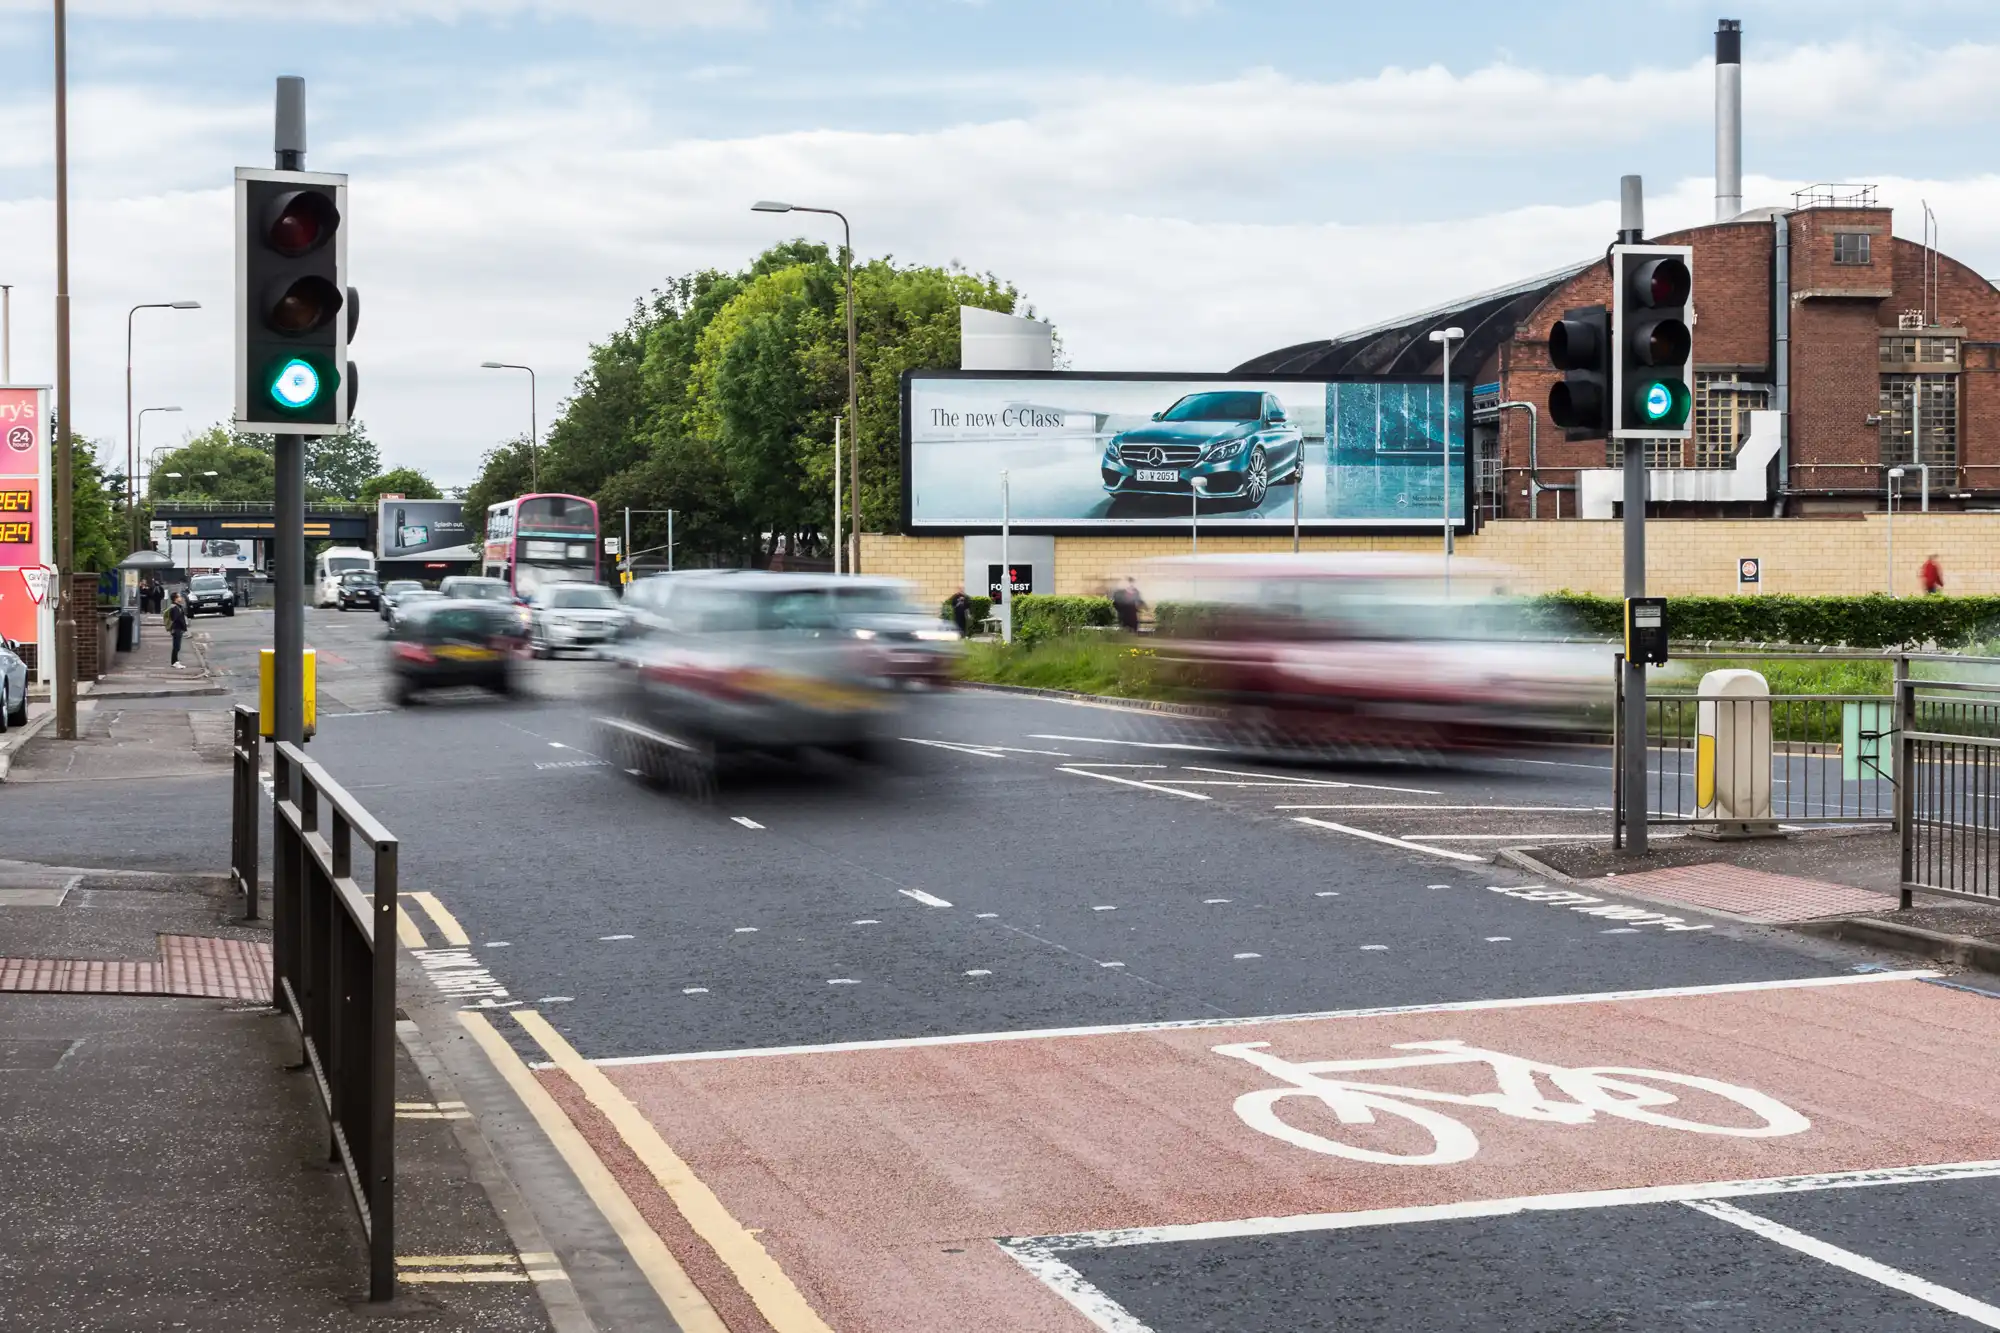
pixel 1064 1021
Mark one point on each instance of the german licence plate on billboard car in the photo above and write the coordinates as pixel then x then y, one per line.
pixel 1147 474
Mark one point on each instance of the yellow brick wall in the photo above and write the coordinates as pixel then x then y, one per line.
pixel 1684 557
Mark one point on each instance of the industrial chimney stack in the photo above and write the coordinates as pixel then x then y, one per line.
pixel 1728 119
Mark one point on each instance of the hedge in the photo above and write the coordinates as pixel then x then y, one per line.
pixel 1875 621
pixel 1038 617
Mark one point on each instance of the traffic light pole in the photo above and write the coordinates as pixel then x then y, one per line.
pixel 1632 229
pixel 288 632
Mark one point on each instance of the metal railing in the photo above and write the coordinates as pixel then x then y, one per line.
pixel 245 760
pixel 1949 746
pixel 172 508
pixel 334 957
pixel 1830 758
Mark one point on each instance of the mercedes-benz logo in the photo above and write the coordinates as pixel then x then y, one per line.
pixel 1156 455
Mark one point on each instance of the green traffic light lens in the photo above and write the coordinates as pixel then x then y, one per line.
pixel 1663 403
pixel 295 386
pixel 1659 402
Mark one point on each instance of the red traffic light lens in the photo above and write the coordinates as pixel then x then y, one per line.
pixel 302 306
pixel 300 222
pixel 1662 282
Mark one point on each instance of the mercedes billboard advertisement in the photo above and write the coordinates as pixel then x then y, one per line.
pixel 1110 452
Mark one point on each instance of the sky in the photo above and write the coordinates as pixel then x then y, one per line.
pixel 1177 184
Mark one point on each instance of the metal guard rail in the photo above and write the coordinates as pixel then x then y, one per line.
pixel 245 761
pixel 1950 843
pixel 334 963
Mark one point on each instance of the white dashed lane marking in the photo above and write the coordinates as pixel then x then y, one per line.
pixel 927 899
pixel 1385 838
pixel 745 821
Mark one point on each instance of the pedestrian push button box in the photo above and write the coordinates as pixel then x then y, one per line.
pixel 1646 630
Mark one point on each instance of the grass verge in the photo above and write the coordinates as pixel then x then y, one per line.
pixel 1110 664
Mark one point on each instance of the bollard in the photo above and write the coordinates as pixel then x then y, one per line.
pixel 1733 756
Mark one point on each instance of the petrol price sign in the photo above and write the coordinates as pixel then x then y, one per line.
pixel 17 531
pixel 17 502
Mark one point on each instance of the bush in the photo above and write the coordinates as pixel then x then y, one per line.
pixel 1185 620
pixel 1039 618
pixel 982 607
pixel 1874 621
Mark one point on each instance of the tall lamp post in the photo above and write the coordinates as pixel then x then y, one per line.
pixel 1889 488
pixel 534 422
pixel 131 440
pixel 139 436
pixel 853 390
pixel 1445 338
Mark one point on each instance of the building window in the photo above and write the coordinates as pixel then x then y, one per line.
pixel 1850 247
pixel 1659 453
pixel 1722 407
pixel 1909 349
pixel 1919 420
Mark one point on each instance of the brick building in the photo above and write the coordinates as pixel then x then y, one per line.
pixel 1827 350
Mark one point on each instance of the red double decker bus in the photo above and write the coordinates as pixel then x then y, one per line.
pixel 536 540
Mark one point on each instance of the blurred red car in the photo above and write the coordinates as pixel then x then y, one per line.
pixel 1365 650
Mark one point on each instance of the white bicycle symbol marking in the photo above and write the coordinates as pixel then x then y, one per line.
pixel 1621 1093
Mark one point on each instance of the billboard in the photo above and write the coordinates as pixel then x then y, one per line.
pixel 422 530
pixel 1116 452
pixel 27 537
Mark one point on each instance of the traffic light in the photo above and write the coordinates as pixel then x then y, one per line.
pixel 1580 346
pixel 1652 341
pixel 295 312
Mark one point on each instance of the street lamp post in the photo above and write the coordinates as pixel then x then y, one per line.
pixel 139 437
pixel 534 421
pixel 131 441
pixel 853 387
pixel 6 333
pixel 1889 488
pixel 1445 338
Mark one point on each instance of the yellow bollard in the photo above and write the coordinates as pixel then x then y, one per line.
pixel 267 692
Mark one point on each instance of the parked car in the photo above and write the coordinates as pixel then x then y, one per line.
pixel 567 616
pixel 13 686
pixel 358 587
pixel 211 594
pixel 1238 440
pixel 395 588
pixel 728 663
pixel 442 643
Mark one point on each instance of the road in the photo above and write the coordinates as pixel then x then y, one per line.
pixel 1065 1022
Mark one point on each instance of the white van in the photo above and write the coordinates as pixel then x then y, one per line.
pixel 332 563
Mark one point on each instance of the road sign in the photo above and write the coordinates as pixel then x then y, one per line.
pixel 37 579
pixel 611 545
pixel 1749 572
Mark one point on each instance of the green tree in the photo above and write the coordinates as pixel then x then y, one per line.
pixel 244 469
pixel 409 482
pixel 338 466
pixel 505 472
pixel 97 541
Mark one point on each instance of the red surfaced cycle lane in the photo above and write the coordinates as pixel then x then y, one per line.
pixel 878 1178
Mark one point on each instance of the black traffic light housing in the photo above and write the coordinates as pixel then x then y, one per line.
pixel 1580 347
pixel 295 312
pixel 1652 327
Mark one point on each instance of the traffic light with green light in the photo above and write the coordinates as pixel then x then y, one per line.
pixel 294 310
pixel 1652 341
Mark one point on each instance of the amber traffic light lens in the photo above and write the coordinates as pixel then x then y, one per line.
pixel 307 304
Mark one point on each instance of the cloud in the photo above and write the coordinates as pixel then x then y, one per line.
pixel 1160 227
pixel 642 13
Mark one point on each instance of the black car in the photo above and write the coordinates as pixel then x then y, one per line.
pixel 210 594
pixel 359 588
pixel 446 643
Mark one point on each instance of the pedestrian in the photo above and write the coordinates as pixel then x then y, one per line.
pixel 1932 575
pixel 961 612
pixel 1127 602
pixel 177 625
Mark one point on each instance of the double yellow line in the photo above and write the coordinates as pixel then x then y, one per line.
pixel 755 1271
pixel 410 937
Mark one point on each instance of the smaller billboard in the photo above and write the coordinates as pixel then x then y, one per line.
pixel 27 538
pixel 422 530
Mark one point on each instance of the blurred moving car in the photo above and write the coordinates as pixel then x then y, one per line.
pixel 13 686
pixel 1310 653
pixel 442 643
pixel 210 594
pixel 395 588
pixel 407 602
pixel 724 663
pixel 358 587
pixel 911 646
pixel 478 588
pixel 567 616
pixel 1238 440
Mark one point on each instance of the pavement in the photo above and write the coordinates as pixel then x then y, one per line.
pixel 1063 1020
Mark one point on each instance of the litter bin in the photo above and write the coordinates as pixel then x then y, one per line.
pixel 125 619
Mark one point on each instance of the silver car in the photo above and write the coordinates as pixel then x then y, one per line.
pixel 564 617
pixel 13 686
pixel 729 663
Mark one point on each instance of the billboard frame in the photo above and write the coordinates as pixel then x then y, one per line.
pixel 1465 526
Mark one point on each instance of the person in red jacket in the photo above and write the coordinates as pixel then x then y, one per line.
pixel 1932 575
